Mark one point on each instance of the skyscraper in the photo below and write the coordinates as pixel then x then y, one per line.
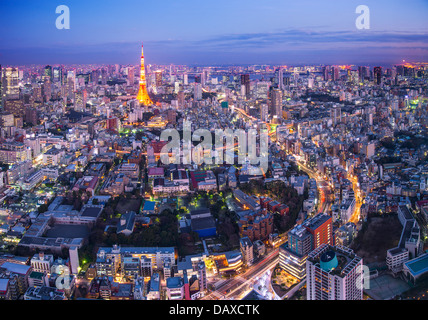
pixel 276 103
pixel 302 239
pixel 335 73
pixel 48 72
pixel 10 83
pixel 377 75
pixel 326 73
pixel 245 81
pixel 142 95
pixel 281 79
pixel 158 78
pixel 131 76
pixel 334 273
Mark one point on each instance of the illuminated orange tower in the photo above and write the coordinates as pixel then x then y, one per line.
pixel 142 95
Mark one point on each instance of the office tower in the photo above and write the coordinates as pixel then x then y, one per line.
pixel 48 72
pixel 46 89
pixel 10 83
pixel 264 112
pixel 56 74
pixel 336 115
pixel 142 95
pixel 158 78
pixel 185 79
pixel 281 79
pixel 334 273
pixel 362 73
pixel 326 73
pixel 131 76
pixel 276 103
pixel 377 75
pixel 310 83
pixel 302 239
pixel 80 98
pixel 7 119
pixel 335 73
pixel 180 99
pixel 245 81
pixel 14 106
pixel 104 76
pixel 205 75
pixel 197 91
pixel 321 229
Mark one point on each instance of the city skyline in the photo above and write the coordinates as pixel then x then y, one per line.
pixel 191 33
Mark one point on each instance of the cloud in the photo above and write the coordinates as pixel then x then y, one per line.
pixel 294 45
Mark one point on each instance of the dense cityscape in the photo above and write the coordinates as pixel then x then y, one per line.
pixel 85 194
pixel 286 182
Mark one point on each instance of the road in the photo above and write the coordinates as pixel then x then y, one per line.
pixel 323 186
pixel 235 287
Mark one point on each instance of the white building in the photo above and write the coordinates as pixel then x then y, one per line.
pixel 334 273
pixel 74 260
pixel 41 262
pixel 247 250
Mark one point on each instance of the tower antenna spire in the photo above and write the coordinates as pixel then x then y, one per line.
pixel 143 96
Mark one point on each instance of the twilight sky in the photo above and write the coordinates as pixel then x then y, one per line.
pixel 213 32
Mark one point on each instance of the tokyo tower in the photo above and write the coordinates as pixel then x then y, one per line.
pixel 142 95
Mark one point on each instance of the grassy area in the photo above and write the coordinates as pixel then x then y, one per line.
pixel 377 235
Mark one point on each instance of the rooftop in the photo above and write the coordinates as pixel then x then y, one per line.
pixel 418 265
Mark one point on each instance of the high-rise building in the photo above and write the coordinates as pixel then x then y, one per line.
pixel 336 114
pixel 377 75
pixel 80 98
pixel 48 72
pixel 276 103
pixel 326 73
pixel 245 81
pixel 180 99
pixel 334 273
pixel 302 239
pixel 281 79
pixel 321 229
pixel 198 91
pixel 143 95
pixel 15 106
pixel 158 78
pixel 335 73
pixel 74 260
pixel 202 276
pixel 57 74
pixel 47 89
pixel 131 76
pixel 247 250
pixel 362 73
pixel 10 83
pixel 264 112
